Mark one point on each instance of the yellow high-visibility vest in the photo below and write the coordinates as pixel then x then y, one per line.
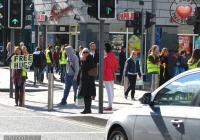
pixel 152 67
pixel 47 56
pixel 63 58
pixel 193 66
pixel 24 72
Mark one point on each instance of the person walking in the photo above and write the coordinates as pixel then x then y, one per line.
pixel 164 74
pixel 194 61
pixel 132 70
pixel 87 85
pixel 72 69
pixel 37 58
pixel 63 58
pixel 18 78
pixel 49 59
pixel 55 58
pixel 183 62
pixel 122 60
pixel 175 64
pixel 153 61
pixel 110 66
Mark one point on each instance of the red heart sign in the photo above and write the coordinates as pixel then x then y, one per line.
pixel 184 11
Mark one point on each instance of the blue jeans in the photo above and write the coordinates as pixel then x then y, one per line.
pixel 48 69
pixel 37 74
pixel 56 67
pixel 176 71
pixel 181 70
pixel 63 72
pixel 149 76
pixel 68 83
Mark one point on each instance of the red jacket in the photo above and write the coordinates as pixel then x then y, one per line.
pixel 110 64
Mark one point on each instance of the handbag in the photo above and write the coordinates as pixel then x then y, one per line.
pixel 114 74
pixel 92 72
pixel 79 101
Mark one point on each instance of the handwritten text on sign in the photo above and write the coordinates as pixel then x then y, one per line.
pixel 21 61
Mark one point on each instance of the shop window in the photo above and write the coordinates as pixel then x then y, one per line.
pixel 51 28
pixel 62 28
pixel 72 28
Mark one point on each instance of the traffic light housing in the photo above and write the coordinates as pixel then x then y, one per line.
pixel 149 16
pixel 196 28
pixel 93 8
pixel 3 13
pixel 137 23
pixel 106 9
pixel 28 11
pixel 15 14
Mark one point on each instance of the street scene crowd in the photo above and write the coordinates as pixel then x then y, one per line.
pixel 79 69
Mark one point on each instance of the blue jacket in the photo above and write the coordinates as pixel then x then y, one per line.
pixel 132 67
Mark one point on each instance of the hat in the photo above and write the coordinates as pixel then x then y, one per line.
pixel 107 47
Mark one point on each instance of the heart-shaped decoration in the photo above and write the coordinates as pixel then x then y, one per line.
pixel 184 11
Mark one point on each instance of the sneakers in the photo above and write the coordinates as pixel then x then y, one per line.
pixel 107 108
pixel 133 99
pixel 125 96
pixel 62 103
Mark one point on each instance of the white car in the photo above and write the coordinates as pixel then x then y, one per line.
pixel 171 112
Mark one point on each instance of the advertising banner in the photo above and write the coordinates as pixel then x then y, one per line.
pixel 134 43
pixel 21 61
pixel 184 43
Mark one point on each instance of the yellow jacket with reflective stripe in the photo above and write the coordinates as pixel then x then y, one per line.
pixel 47 56
pixel 152 67
pixel 193 66
pixel 63 58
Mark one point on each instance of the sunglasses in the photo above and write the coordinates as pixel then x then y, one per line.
pixel 85 52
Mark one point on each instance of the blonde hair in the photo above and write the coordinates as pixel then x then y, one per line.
pixel 24 47
pixel 85 49
pixel 153 48
pixel 163 51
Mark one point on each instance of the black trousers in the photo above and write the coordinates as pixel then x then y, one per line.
pixel 121 73
pixel 132 82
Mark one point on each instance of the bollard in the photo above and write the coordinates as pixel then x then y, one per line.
pixel 50 91
pixel 154 82
pixel 23 100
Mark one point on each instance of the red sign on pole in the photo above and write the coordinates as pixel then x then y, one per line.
pixel 41 17
pixel 126 16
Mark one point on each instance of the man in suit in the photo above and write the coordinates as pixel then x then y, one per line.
pixel 95 55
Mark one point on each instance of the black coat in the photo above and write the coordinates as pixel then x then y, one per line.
pixel 87 84
pixel 96 58
pixel 122 59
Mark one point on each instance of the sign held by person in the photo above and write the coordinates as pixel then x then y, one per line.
pixel 21 61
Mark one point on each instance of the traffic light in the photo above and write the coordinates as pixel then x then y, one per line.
pixel 93 8
pixel 28 11
pixel 149 16
pixel 15 14
pixel 3 13
pixel 196 28
pixel 137 23
pixel 106 9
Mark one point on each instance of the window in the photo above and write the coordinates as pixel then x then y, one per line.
pixel 179 92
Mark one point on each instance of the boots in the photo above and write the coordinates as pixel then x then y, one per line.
pixel 87 109
pixel 21 98
pixel 16 98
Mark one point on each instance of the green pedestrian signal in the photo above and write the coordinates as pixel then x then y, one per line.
pixel 15 21
pixel 109 10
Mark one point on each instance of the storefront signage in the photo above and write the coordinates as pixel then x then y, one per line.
pixel 181 10
pixel 126 16
pixel 56 13
pixel 21 61
pixel 184 43
pixel 41 17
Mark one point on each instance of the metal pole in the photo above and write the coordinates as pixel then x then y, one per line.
pixel 145 52
pixel 153 26
pixel 101 64
pixel 126 81
pixel 141 39
pixel 12 36
pixel 50 91
pixel 193 42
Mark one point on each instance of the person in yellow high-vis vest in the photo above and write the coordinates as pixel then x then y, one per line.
pixel 63 61
pixel 194 61
pixel 153 62
pixel 18 78
pixel 48 54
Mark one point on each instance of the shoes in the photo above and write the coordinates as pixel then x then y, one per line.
pixel 86 112
pixel 34 83
pixel 133 99
pixel 62 103
pixel 107 108
pixel 125 96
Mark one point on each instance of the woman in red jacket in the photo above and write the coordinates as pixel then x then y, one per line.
pixel 110 66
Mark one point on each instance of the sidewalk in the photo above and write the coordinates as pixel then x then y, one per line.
pixel 36 97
